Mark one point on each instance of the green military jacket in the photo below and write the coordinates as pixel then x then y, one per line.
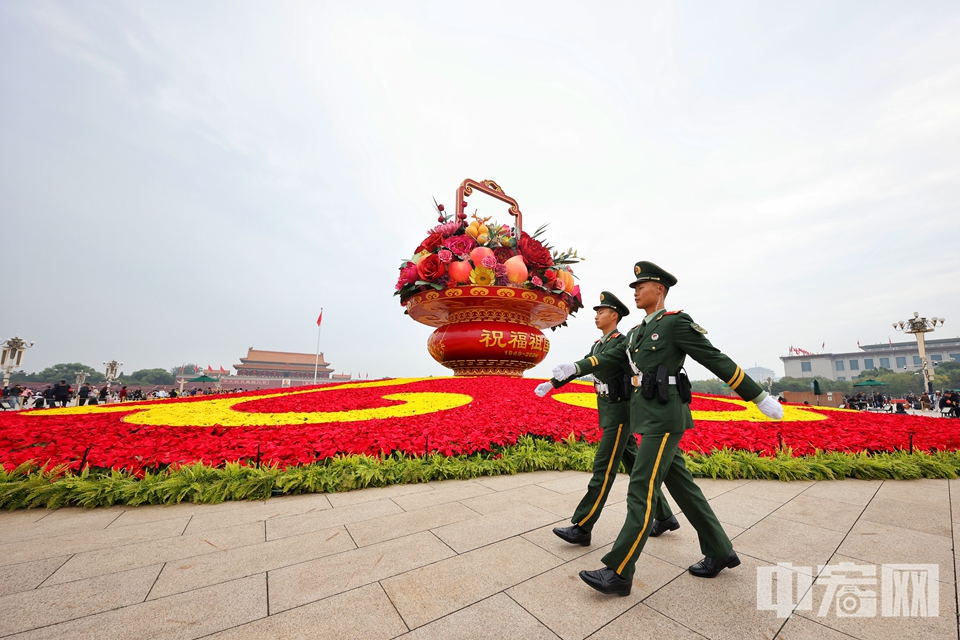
pixel 611 413
pixel 668 339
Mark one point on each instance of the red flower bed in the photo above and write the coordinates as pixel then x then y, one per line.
pixel 449 415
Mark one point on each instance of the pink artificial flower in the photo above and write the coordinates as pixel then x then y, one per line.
pixel 536 281
pixel 460 245
pixel 445 255
pixel 500 269
pixel 489 262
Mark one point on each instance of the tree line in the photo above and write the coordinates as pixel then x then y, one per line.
pixel 68 371
pixel 946 376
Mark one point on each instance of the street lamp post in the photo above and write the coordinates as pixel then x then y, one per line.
pixel 113 371
pixel 919 326
pixel 12 356
pixel 81 378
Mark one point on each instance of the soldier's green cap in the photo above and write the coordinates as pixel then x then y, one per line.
pixel 644 271
pixel 611 301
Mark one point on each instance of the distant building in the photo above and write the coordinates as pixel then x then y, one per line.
pixel 897 356
pixel 761 374
pixel 267 369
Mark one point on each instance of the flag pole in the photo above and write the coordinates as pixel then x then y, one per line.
pixel 316 363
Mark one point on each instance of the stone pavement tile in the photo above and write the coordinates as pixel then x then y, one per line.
pixel 131 556
pixel 28 575
pixel 22 517
pixel 504 482
pixel 509 498
pixel 878 544
pixel 721 607
pixel 851 491
pixel 712 488
pixel 299 584
pixel 563 505
pixel 275 508
pixel 499 525
pixel 742 511
pixel 643 623
pixel 444 492
pixel 820 512
pixel 571 609
pixel 188 615
pixel 362 614
pixel 914 515
pixel 935 494
pixel 954 486
pixel 49 605
pixel 347 498
pixel 604 533
pixel 682 547
pixel 153 512
pixel 407 522
pixel 89 517
pixel 901 627
pixel 775 540
pixel 571 482
pixel 211 568
pixel 48 544
pixel 800 628
pixel 495 618
pixel 292 525
pixel 433 591
pixel 76 522
pixel 775 490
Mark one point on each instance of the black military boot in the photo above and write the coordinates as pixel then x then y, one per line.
pixel 662 526
pixel 574 535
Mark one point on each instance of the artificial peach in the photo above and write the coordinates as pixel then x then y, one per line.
pixel 459 271
pixel 516 270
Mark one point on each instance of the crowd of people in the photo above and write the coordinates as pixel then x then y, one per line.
pixel 61 394
pixel 947 402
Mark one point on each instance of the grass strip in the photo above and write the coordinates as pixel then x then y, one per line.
pixel 30 486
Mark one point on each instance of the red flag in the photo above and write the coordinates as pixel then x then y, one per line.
pixel 181 367
pixel 823 346
pixel 858 344
pixel 320 317
pixel 890 341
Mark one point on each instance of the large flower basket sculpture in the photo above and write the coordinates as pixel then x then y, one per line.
pixel 488 288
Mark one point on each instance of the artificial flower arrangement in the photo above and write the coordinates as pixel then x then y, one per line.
pixel 456 253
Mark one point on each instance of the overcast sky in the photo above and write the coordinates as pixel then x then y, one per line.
pixel 180 181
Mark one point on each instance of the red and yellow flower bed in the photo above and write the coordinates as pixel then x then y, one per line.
pixel 450 416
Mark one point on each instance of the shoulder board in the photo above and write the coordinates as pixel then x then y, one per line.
pixel 616 334
pixel 596 341
pixel 673 313
pixel 634 327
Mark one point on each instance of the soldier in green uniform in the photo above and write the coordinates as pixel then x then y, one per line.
pixel 613 407
pixel 660 412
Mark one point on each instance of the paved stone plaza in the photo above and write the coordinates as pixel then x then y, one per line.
pixel 460 559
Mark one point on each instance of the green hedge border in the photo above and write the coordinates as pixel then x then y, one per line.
pixel 31 486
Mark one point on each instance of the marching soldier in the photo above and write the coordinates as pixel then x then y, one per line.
pixel 659 409
pixel 617 442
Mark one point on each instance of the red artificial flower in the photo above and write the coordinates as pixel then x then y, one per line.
pixel 430 268
pixel 502 254
pixel 535 254
pixel 431 243
pixel 408 275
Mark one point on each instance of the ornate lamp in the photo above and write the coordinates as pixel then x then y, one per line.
pixel 919 326
pixel 11 356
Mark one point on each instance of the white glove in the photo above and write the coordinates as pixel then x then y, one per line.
pixel 543 388
pixel 563 371
pixel 770 408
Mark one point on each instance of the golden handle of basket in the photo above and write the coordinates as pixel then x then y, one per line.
pixel 490 188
